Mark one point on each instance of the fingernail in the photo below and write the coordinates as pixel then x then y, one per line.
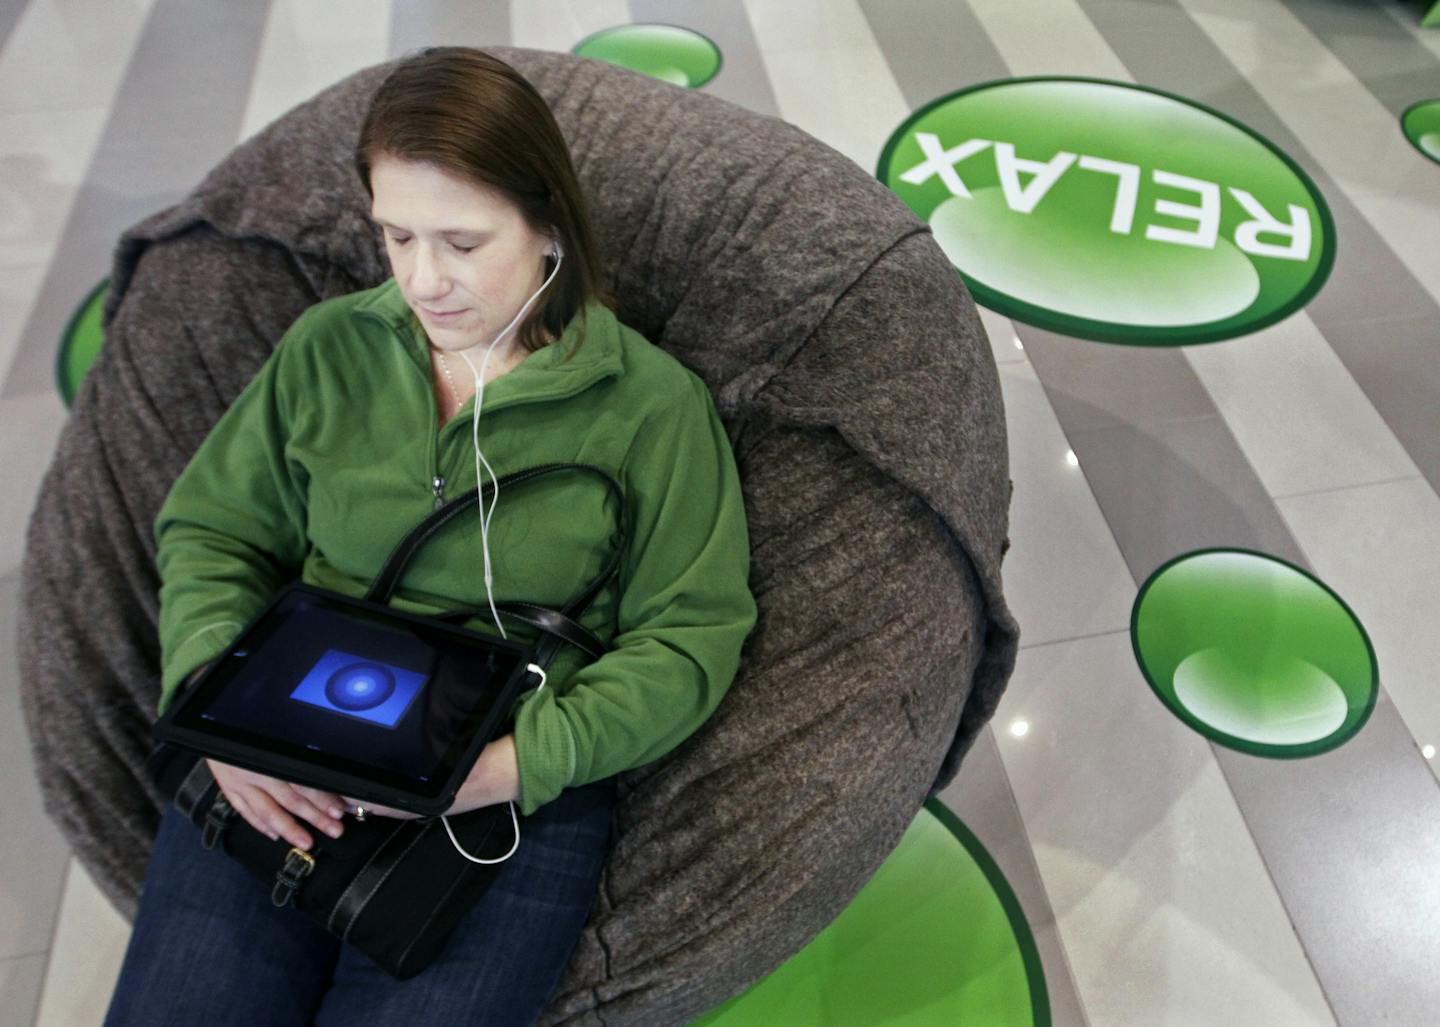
pixel 333 830
pixel 336 812
pixel 273 835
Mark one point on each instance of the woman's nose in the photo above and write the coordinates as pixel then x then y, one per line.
pixel 427 274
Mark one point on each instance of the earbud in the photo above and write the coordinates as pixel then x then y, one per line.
pixel 556 250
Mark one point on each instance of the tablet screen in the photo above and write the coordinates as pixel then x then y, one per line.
pixel 355 688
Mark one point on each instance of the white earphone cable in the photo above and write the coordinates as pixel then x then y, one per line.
pixel 485 528
pixel 475 436
pixel 514 823
pixel 534 668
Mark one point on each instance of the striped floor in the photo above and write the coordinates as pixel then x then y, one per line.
pixel 1166 879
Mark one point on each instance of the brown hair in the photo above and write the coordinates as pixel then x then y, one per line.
pixel 470 114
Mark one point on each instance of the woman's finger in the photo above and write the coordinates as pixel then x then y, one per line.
pixel 277 821
pixel 331 803
pixel 264 814
pixel 241 807
pixel 293 800
pixel 253 797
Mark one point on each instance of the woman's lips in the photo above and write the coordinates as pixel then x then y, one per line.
pixel 437 315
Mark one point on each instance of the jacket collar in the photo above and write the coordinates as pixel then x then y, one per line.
pixel 544 374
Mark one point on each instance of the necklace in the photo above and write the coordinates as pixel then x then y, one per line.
pixel 445 366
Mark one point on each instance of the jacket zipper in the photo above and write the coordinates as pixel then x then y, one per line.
pixel 437 480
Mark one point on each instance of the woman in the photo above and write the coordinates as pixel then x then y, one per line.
pixel 493 331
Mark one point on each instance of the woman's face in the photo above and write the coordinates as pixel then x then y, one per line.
pixel 463 254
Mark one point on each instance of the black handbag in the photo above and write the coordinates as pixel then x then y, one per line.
pixel 394 889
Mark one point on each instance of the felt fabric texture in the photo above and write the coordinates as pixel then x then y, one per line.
pixel 854 378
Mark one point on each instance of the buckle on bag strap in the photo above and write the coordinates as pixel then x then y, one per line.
pixel 299 864
pixel 197 786
pixel 217 819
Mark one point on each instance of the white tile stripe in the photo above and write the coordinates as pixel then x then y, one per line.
pixel 1408 15
pixel 1164 907
pixel 90 940
pixel 559 24
pixel 307 48
pixel 1378 546
pixel 1300 418
pixel 67 54
pixel 838 88
pixel 20 976
pixel 1089 592
pixel 1036 37
pixel 1394 187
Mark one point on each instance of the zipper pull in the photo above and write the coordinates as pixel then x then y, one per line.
pixel 438 487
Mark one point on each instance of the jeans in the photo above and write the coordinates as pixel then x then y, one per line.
pixel 210 948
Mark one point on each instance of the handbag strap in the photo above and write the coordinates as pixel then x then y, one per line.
pixel 543 619
pixel 559 626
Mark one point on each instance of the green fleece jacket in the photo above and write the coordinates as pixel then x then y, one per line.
pixel 334 452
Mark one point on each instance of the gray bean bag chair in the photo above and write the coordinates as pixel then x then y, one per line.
pixel 849 365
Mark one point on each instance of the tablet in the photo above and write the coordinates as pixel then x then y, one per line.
pixel 357 698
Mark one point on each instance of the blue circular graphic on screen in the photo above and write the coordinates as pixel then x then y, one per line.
pixel 360 686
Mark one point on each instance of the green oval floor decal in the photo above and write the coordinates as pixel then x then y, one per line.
pixel 1254 653
pixel 80 343
pixel 1421 124
pixel 1110 211
pixel 667 52
pixel 935 937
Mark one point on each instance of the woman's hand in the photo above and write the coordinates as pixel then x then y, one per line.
pixel 271 806
pixel 494 778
